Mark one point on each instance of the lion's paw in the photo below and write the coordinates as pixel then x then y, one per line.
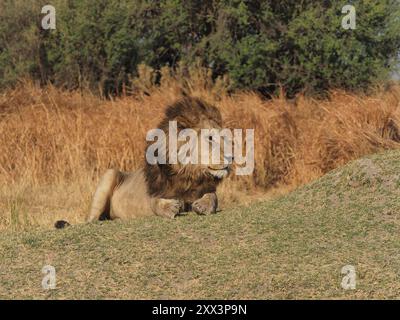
pixel 169 207
pixel 206 205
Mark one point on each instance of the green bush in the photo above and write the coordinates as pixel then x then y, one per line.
pixel 261 45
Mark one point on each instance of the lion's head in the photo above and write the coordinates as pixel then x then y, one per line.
pixel 190 180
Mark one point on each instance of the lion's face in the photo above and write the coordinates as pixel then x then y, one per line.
pixel 212 157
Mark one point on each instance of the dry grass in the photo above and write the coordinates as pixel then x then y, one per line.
pixel 55 143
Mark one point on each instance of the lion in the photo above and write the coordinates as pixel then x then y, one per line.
pixel 165 189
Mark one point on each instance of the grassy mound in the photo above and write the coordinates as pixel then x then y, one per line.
pixel 293 247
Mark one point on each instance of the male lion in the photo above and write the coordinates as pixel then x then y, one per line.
pixel 166 189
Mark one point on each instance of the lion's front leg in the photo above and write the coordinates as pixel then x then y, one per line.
pixel 206 204
pixel 168 208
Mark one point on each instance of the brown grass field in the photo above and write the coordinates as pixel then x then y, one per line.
pixel 56 143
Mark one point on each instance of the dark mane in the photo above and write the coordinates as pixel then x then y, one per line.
pixel 188 112
pixel 162 180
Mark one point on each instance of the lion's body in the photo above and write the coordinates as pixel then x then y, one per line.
pixel 164 189
pixel 120 196
pixel 131 199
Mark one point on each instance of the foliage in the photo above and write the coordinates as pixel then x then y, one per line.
pixel 262 45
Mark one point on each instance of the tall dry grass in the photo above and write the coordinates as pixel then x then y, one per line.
pixel 55 144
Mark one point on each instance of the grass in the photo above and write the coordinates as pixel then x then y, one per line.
pixel 292 247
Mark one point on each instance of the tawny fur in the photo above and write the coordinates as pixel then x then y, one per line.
pixel 163 189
